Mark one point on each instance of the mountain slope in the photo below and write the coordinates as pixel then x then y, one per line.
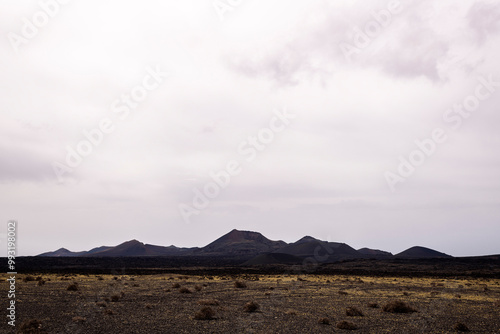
pixel 375 253
pixel 62 252
pixel 241 243
pixel 418 252
pixel 321 251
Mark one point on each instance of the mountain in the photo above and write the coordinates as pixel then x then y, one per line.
pixel 62 252
pixel 273 258
pixel 241 243
pixel 321 251
pixel 375 253
pixel 418 252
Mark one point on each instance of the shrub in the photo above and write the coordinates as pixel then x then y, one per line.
pixel 115 298
pixel 31 327
pixel 324 321
pixel 373 305
pixel 72 287
pixel 99 278
pixel 240 284
pixel 197 287
pixel 213 302
pixel 29 278
pixel 251 307
pixel 109 312
pixel 353 312
pixel 101 304
pixel 461 327
pixel 184 290
pixel 398 306
pixel 148 306
pixel 343 293
pixel 41 282
pixel 79 319
pixel 176 286
pixel 206 313
pixel 346 325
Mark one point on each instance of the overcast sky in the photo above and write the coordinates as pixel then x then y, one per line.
pixel 171 92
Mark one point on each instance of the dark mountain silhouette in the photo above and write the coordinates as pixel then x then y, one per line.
pixel 254 248
pixel 321 251
pixel 375 253
pixel 418 252
pixel 62 252
pixel 240 243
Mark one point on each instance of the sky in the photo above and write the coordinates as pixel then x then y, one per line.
pixel 373 123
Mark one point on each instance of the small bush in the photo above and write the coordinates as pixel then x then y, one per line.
pixel 346 325
pixel 251 307
pixel 461 327
pixel 115 298
pixel 206 313
pixel 343 293
pixel 240 284
pixel 373 305
pixel 324 321
pixel 197 287
pixel 148 306
pixel 40 283
pixel 212 302
pixel 29 278
pixel 109 312
pixel 184 290
pixel 72 287
pixel 398 306
pixel 353 312
pixel 79 319
pixel 31 327
pixel 176 286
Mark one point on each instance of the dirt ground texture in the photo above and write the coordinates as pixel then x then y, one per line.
pixel 286 304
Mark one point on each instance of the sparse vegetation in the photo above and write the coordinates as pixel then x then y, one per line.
pixel 240 284
pixel 206 313
pixel 398 306
pixel 346 325
pixel 251 307
pixel 353 312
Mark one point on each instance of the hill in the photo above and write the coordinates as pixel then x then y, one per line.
pixel 418 252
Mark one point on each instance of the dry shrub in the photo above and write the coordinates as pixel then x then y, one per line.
pixel 28 278
pixel 100 278
pixel 251 307
pixel 398 306
pixel 460 327
pixel 40 282
pixel 324 321
pixel 373 305
pixel 184 290
pixel 497 303
pixel 343 293
pixel 30 327
pixel 197 287
pixel 79 319
pixel 148 306
pixel 353 312
pixel 107 299
pixel 240 284
pixel 346 325
pixel 109 312
pixel 176 286
pixel 72 287
pixel 206 313
pixel 212 302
